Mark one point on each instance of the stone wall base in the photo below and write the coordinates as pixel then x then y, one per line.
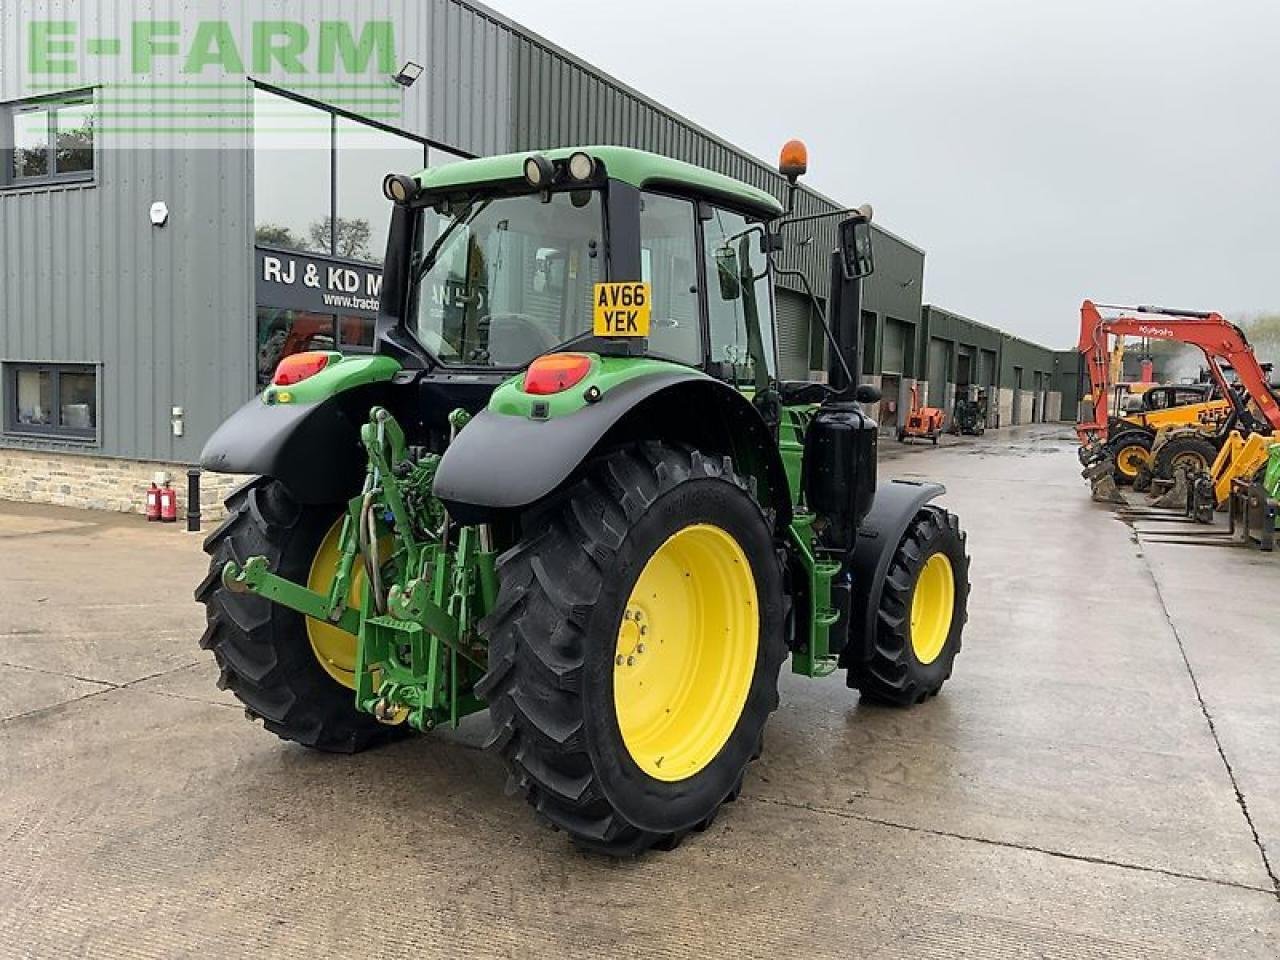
pixel 103 483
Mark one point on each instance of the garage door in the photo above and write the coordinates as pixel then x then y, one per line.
pixel 964 366
pixel 939 369
pixel 895 340
pixel 987 369
pixel 793 334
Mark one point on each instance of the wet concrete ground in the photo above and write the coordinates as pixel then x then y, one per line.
pixel 1099 778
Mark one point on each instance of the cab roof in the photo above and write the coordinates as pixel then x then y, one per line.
pixel 639 168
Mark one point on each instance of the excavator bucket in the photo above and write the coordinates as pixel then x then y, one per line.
pixel 1177 496
pixel 1101 477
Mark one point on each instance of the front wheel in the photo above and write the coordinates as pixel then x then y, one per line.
pixel 1191 451
pixel 1131 452
pixel 922 613
pixel 634 648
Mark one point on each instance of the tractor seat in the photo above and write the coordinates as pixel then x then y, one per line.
pixel 801 391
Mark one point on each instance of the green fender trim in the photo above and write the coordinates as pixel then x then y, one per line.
pixel 342 373
pixel 606 374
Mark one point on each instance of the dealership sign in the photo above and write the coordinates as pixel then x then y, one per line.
pixel 288 280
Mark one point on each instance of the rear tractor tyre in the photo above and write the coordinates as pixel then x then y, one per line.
pixel 1130 452
pixel 270 656
pixel 634 649
pixel 1193 452
pixel 922 613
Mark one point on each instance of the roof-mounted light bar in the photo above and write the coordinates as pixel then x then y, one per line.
pixel 541 173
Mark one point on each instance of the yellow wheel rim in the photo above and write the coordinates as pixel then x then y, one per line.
pixel 686 652
pixel 1130 459
pixel 334 648
pixel 932 603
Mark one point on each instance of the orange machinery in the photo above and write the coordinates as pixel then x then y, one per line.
pixel 923 423
pixel 1222 343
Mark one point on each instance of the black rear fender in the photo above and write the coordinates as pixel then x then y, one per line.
pixel 313 449
pixel 502 463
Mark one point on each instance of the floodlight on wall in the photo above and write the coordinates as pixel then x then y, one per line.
pixel 408 74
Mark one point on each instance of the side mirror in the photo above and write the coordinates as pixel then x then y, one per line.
pixel 727 271
pixel 856 258
pixel 866 393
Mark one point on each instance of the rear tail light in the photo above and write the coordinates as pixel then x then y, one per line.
pixel 299 366
pixel 555 372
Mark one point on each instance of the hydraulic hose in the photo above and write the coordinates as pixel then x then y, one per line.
pixel 368 540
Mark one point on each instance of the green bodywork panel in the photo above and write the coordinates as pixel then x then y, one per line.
pixel 795 420
pixel 811 657
pixel 342 373
pixel 639 168
pixel 1271 476
pixel 606 373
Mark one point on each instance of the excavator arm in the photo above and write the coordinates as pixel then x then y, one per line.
pixel 1220 341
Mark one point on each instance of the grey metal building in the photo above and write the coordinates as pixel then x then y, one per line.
pixel 174 177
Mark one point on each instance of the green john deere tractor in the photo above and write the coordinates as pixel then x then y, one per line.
pixel 570 488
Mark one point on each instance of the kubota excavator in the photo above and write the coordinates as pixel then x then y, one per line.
pixel 1192 447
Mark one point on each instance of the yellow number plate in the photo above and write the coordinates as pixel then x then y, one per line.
pixel 621 310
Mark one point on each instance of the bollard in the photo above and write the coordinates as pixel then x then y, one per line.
pixel 193 500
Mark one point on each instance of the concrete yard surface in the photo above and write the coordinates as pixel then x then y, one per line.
pixel 1099 778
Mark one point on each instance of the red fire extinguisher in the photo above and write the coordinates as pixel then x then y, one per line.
pixel 168 504
pixel 153 503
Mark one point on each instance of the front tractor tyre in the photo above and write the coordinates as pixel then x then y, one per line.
pixel 634 648
pixel 293 673
pixel 922 613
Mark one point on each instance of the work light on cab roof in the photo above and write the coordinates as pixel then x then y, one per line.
pixel 541 172
pixel 399 187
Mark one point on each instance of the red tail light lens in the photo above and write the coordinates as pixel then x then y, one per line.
pixel 298 366
pixel 554 372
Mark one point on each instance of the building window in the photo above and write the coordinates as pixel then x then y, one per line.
pixel 49 400
pixel 52 140
pixel 318 179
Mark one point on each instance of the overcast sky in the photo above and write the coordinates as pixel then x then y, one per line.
pixel 1040 152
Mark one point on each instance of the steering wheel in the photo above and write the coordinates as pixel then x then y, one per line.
pixel 513 339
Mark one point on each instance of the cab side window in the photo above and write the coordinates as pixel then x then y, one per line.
pixel 738 290
pixel 668 265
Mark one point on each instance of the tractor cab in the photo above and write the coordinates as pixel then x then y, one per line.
pixel 603 251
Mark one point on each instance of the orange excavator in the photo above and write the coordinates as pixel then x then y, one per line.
pixel 1255 409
